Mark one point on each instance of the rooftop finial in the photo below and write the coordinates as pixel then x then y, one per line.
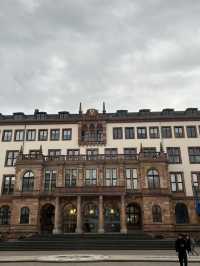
pixel 104 108
pixel 80 108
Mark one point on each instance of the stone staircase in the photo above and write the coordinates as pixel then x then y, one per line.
pixel 113 241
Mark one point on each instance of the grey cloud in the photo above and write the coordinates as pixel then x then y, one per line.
pixel 130 53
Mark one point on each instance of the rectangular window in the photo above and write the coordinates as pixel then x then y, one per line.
pixel 19 135
pixel 191 131
pixel 131 178
pixel 71 177
pixel 111 177
pixel 174 155
pixel 43 134
pixel 30 134
pixel 111 153
pixel 149 152
pixel 196 180
pixel 141 132
pixel 8 184
pixel 7 135
pixel 166 132
pixel 90 177
pixel 194 154
pixel 54 152
pixel 50 180
pixel 130 153
pixel 67 134
pixel 92 154
pixel 34 153
pixel 11 158
pixel 73 152
pixel 154 133
pixel 176 179
pixel 117 133
pixel 179 132
pixel 55 134
pixel 129 133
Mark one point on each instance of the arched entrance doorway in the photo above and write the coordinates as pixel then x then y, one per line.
pixel 111 218
pixel 90 218
pixel 133 217
pixel 47 218
pixel 69 218
pixel 181 213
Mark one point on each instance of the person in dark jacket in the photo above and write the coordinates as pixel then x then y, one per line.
pixel 181 247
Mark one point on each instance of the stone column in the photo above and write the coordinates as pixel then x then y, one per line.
pixel 101 216
pixel 57 229
pixel 123 216
pixel 78 222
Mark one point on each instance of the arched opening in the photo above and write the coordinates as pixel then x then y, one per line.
pixel 111 218
pixel 153 179
pixel 47 218
pixel 28 182
pixel 90 218
pixel 133 216
pixel 181 213
pixel 4 215
pixel 69 218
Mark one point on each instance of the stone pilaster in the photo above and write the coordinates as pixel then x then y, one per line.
pixel 123 216
pixel 57 225
pixel 78 223
pixel 101 216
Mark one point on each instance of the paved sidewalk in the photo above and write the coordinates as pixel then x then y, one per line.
pixel 92 257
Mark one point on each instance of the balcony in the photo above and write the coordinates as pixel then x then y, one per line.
pixel 102 190
pixel 156 156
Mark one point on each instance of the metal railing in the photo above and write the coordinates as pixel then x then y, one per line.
pixel 98 157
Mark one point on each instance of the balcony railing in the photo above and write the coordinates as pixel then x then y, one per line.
pixel 98 157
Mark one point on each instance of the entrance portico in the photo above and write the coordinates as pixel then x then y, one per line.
pixel 90 214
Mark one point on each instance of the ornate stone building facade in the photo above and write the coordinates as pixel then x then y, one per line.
pixel 100 172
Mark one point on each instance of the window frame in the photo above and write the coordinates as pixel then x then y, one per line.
pixel 172 156
pixel 154 136
pixel 142 135
pixel 177 134
pixel 20 131
pixel 177 182
pixel 3 135
pixel 70 135
pixel 56 135
pixel 10 187
pixel 117 133
pixel 13 159
pixel 39 136
pixel 129 132
pixel 191 136
pixel 31 131
pixel 193 156
pixel 167 136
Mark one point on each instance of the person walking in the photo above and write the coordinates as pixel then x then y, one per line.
pixel 182 248
pixel 191 245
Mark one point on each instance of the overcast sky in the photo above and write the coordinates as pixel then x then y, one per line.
pixel 132 54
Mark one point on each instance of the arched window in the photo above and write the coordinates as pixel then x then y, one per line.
pixel 153 179
pixel 24 216
pixel 28 181
pixel 4 215
pixel 156 214
pixel 181 213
